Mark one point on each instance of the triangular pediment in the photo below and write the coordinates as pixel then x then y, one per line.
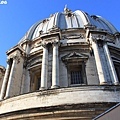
pixel 74 55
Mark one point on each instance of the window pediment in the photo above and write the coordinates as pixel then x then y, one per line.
pixel 75 55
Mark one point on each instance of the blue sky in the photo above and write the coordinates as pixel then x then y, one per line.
pixel 17 16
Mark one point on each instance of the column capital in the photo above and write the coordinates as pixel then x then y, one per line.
pixel 15 57
pixel 44 44
pixel 93 38
pixel 99 42
pixel 28 41
pixel 55 43
pixel 8 61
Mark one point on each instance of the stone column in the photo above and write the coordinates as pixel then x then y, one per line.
pixel 8 91
pixel 110 65
pixel 44 70
pixel 5 82
pixel 100 70
pixel 28 46
pixel 55 66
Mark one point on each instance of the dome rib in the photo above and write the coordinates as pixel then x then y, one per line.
pixel 110 26
pixel 58 19
pixel 64 20
pixel 77 20
pixel 32 29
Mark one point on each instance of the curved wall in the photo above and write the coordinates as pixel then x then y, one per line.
pixel 63 96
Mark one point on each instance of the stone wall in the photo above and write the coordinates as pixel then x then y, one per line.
pixel 56 97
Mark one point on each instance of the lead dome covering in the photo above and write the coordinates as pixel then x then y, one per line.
pixel 68 20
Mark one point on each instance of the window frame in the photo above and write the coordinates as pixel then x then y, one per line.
pixel 78 65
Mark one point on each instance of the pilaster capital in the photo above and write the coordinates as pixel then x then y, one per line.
pixel 16 58
pixel 8 61
pixel 55 43
pixel 96 38
pixel 28 41
pixel 44 44
pixel 93 39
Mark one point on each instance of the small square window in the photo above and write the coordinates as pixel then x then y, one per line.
pixel 76 74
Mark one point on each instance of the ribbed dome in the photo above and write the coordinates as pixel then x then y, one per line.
pixel 66 20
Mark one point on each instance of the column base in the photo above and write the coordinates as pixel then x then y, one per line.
pixel 42 88
pixel 6 97
pixel 55 86
pixel 116 83
pixel 104 83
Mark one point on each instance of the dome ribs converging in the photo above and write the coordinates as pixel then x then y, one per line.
pixel 69 19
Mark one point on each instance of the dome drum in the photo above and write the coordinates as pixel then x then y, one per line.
pixel 52 101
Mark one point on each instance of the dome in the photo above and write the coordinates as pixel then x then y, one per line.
pixel 67 20
pixel 65 67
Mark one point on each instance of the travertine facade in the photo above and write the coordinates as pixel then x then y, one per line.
pixel 65 67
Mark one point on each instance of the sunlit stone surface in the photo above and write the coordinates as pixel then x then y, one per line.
pixel 65 67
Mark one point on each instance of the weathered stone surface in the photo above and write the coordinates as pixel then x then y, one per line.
pixel 75 111
pixel 48 98
pixel 65 67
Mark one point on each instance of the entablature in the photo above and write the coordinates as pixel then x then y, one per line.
pixel 17 47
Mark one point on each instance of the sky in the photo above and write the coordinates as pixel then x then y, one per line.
pixel 17 16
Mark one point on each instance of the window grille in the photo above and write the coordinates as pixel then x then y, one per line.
pixel 76 77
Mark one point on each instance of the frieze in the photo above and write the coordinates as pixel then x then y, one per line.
pixel 81 36
pixel 50 39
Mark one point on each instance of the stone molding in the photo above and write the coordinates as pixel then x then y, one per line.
pixel 54 97
pixel 14 57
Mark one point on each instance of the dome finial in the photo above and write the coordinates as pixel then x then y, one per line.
pixel 65 7
pixel 66 10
